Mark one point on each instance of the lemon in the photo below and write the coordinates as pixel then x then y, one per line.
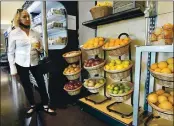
pixel 126 65
pixel 170 60
pixel 170 66
pixel 162 64
pixel 119 67
pixel 111 64
pixel 118 61
pixel 126 62
pixel 166 70
pixel 112 68
pixel 107 67
pixel 112 61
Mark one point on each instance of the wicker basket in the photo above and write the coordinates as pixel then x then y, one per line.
pixel 74 92
pixel 161 112
pixel 122 97
pixel 165 83
pixel 93 51
pixel 95 69
pixel 119 74
pixel 74 58
pixel 119 50
pixel 166 80
pixel 102 11
pixel 95 89
pixel 73 76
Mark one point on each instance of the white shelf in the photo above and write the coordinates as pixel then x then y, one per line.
pixel 160 48
pixel 56 17
pixel 53 47
pixel 55 30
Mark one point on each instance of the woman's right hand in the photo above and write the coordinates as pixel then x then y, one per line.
pixel 16 76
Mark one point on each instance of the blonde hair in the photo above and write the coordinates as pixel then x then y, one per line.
pixel 17 18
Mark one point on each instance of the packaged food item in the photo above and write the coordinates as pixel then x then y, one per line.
pixel 54 24
pixel 53 11
pixel 162 35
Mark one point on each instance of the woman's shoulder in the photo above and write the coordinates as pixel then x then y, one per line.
pixel 14 31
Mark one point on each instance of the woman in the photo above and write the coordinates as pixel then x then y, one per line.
pixel 24 44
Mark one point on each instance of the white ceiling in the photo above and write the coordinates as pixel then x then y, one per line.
pixel 8 10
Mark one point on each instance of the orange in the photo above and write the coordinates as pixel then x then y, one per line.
pixel 152 98
pixel 165 105
pixel 158 70
pixel 111 44
pixel 122 43
pixel 101 39
pixel 154 66
pixel 96 39
pixel 162 64
pixel 166 70
pixel 101 42
pixel 160 92
pixel 116 44
pixel 106 45
pixel 162 98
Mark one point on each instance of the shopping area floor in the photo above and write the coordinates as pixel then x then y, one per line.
pixel 13 103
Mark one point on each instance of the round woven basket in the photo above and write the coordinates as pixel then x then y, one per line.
pixel 102 11
pixel 95 69
pixel 73 76
pixel 73 92
pixel 163 77
pixel 165 83
pixel 166 114
pixel 93 51
pixel 74 58
pixel 119 74
pixel 95 89
pixel 122 97
pixel 118 51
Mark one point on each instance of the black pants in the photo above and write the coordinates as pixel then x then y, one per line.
pixel 23 73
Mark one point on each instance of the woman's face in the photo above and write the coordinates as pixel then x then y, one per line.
pixel 25 18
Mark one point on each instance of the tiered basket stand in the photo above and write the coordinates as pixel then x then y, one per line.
pixel 119 107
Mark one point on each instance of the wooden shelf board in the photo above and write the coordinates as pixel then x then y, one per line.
pixel 102 108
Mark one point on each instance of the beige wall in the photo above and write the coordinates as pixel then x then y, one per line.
pixel 136 29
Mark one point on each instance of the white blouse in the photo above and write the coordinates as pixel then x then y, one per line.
pixel 20 49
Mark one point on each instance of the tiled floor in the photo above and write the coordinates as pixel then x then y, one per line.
pixel 12 110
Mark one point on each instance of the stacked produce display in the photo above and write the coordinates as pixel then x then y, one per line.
pixel 162 100
pixel 94 66
pixel 72 72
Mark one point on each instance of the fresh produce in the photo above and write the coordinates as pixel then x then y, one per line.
pixel 117 64
pixel 72 69
pixel 94 82
pixel 162 99
pixel 93 62
pixel 164 33
pixel 94 43
pixel 72 85
pixel 105 3
pixel 118 88
pixel 116 42
pixel 164 66
pixel 71 54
